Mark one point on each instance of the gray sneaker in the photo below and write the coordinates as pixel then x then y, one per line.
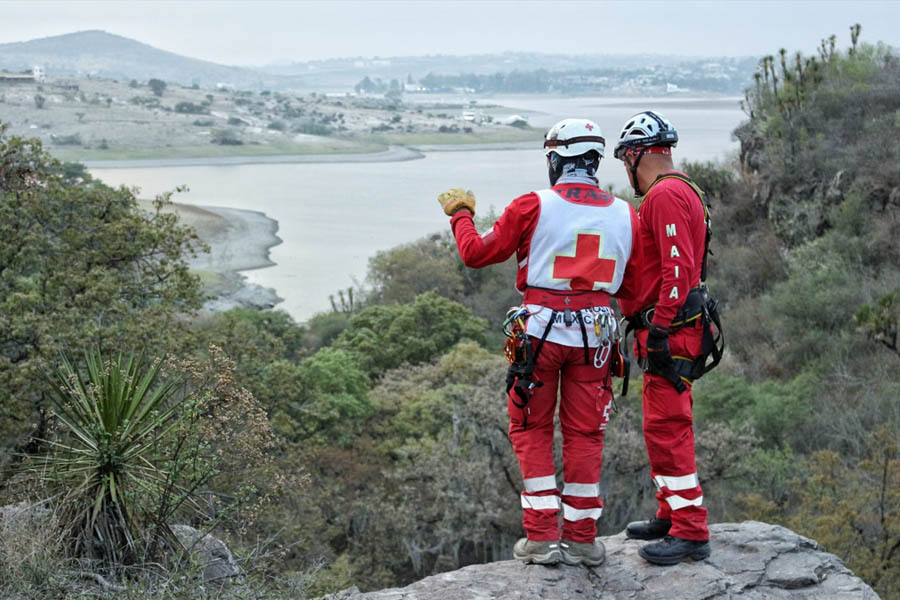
pixel 587 553
pixel 539 553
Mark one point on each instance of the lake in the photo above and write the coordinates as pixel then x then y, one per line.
pixel 334 216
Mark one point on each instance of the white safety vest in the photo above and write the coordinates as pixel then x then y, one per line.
pixel 581 244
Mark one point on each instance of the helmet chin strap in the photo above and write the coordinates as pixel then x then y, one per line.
pixel 633 167
pixel 553 167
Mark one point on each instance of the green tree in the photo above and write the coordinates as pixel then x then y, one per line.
pixel 385 337
pixel 158 86
pixel 853 509
pixel 80 265
pixel 430 264
pixel 330 400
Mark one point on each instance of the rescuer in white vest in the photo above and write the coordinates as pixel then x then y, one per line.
pixel 574 247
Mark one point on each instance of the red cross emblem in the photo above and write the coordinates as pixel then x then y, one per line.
pixel 586 268
pixel 588 126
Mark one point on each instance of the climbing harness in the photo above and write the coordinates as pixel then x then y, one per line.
pixel 522 355
pixel 522 358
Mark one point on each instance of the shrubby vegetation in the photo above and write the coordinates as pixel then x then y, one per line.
pixel 806 235
pixel 387 414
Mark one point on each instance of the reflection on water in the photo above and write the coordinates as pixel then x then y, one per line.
pixel 333 217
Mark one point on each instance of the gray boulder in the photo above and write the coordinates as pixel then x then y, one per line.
pixel 750 560
pixel 209 553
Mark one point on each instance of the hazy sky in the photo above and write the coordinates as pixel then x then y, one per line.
pixel 256 32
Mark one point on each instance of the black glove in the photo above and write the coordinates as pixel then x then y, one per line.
pixel 659 358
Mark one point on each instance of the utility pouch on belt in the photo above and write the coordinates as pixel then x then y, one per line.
pixel 700 305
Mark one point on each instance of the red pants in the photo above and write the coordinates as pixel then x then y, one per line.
pixel 669 435
pixel 583 413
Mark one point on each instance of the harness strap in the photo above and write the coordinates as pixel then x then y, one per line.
pixel 584 339
pixel 545 334
pixel 704 200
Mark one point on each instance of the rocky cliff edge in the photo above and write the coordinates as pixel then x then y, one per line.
pixel 750 560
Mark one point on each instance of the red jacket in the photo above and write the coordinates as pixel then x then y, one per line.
pixel 512 232
pixel 672 241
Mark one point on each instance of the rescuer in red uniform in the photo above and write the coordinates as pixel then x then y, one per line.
pixel 673 238
pixel 573 244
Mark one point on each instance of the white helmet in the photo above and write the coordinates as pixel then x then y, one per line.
pixel 647 128
pixel 574 137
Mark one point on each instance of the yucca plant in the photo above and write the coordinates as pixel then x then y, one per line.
pixel 111 465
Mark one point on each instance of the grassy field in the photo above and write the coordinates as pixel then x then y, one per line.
pixel 478 136
pixel 280 148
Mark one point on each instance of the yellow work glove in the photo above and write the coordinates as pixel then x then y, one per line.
pixel 456 199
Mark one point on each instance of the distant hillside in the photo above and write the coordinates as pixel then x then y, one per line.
pixel 106 55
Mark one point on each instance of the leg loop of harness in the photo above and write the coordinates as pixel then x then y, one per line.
pixel 520 375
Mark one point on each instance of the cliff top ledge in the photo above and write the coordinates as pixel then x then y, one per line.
pixel 751 560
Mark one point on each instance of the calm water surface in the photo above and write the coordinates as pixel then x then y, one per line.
pixel 334 217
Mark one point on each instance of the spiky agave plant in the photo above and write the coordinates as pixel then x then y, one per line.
pixel 107 466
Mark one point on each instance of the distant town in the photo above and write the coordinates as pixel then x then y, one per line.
pixel 99 54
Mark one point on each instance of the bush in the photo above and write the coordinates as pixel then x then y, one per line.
pixel 226 137
pixel 142 445
pixel 190 108
pixel 66 140
pixel 204 122
pixel 147 102
pixel 312 128
pixel 236 121
pixel 277 126
pixel 713 178
pixel 106 469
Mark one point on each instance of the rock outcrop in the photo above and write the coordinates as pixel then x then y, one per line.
pixel 749 560
pixel 214 562
pixel 210 554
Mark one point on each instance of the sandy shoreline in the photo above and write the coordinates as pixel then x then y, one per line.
pixel 239 240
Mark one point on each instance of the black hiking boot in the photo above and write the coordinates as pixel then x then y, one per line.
pixel 653 529
pixel 672 550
